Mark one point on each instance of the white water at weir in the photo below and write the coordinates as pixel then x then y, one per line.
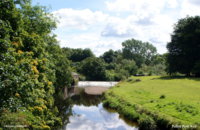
pixel 83 84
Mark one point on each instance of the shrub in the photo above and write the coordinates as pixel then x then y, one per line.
pixel 162 96
pixel 146 123
pixel 137 80
pixel 19 118
pixel 163 123
pixel 129 79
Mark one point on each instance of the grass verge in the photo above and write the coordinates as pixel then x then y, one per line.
pixel 158 102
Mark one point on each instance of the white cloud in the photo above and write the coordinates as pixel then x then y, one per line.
pixel 172 3
pixel 140 19
pixel 79 19
pixel 90 40
pixel 84 108
pixel 117 27
pixel 190 8
pixel 195 2
pixel 140 8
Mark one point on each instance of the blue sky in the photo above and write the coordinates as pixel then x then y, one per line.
pixel 75 4
pixel 104 24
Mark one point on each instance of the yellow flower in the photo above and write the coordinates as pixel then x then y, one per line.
pixel 38 108
pixel 35 62
pixel 34 68
pixel 49 83
pixel 15 44
pixel 17 94
pixel 20 52
pixel 46 127
pixel 44 107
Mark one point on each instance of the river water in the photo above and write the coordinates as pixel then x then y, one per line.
pixel 86 112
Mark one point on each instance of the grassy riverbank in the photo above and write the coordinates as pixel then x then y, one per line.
pixel 156 101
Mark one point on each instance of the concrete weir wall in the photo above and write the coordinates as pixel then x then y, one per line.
pixel 83 84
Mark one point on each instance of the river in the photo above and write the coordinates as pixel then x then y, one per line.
pixel 85 112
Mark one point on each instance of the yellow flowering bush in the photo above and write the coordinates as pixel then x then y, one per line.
pixel 34 68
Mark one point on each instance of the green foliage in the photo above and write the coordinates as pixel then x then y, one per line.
pixel 136 57
pixel 157 69
pixel 183 49
pixel 25 119
pixel 78 55
pixel 93 68
pixel 112 75
pixel 110 56
pixel 29 72
pixel 146 123
pixel 118 68
pixel 140 52
pixel 60 64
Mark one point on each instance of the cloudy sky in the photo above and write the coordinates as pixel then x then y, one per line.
pixel 104 24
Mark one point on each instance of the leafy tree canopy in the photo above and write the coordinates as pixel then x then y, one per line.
pixel 140 52
pixel 77 55
pixel 110 56
pixel 29 71
pixel 93 68
pixel 184 54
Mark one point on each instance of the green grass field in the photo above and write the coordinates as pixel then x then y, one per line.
pixel 170 101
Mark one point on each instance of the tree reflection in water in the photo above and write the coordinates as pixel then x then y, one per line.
pixel 76 96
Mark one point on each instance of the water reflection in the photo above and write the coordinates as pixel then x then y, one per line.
pixel 85 112
pixel 95 118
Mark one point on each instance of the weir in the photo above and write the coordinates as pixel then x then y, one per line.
pixel 108 84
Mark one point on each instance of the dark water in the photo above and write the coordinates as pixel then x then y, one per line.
pixel 86 112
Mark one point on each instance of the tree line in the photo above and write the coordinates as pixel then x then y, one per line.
pixel 135 58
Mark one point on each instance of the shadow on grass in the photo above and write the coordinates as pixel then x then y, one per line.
pixel 179 77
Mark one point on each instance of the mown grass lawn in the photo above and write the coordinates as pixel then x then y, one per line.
pixel 177 99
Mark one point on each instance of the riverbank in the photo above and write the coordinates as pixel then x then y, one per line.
pixel 157 102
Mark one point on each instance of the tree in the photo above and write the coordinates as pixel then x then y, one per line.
pixel 184 54
pixel 129 65
pixel 93 68
pixel 28 73
pixel 140 52
pixel 159 59
pixel 60 64
pixel 110 56
pixel 77 55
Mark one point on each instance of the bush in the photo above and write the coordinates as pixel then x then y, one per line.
pixel 162 96
pixel 130 80
pixel 17 118
pixel 146 123
pixel 163 123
